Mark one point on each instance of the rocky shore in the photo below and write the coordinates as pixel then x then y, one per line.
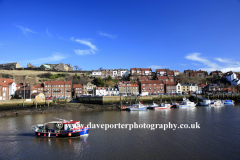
pixel 57 108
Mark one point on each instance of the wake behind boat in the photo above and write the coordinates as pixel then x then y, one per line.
pixel 60 128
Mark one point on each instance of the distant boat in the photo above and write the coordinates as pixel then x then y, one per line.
pixel 137 107
pixel 60 128
pixel 206 102
pixel 163 106
pixel 229 102
pixel 186 103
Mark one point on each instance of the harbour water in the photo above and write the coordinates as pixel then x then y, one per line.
pixel 217 138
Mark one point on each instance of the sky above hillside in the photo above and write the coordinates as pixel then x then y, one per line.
pixel 174 34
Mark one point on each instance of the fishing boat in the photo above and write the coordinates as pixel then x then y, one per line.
pixel 152 106
pixel 137 107
pixel 60 128
pixel 217 103
pixel 163 106
pixel 206 102
pixel 186 103
pixel 229 102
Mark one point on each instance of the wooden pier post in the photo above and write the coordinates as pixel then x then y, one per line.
pixel 36 104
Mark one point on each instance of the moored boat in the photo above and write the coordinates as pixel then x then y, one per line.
pixel 60 128
pixel 186 103
pixel 206 102
pixel 228 102
pixel 137 107
pixel 163 106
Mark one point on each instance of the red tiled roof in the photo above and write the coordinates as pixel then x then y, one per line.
pixel 162 77
pixel 158 70
pixel 3 84
pixel 77 86
pixel 152 82
pixel 27 88
pixel 100 88
pixel 39 86
pixel 8 81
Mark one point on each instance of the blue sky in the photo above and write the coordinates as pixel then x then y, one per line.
pixel 174 34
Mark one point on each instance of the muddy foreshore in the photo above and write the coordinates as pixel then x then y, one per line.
pixel 57 108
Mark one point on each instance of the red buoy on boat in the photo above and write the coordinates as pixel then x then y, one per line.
pixel 69 134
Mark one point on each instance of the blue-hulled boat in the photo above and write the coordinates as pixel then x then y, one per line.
pixel 231 102
pixel 60 128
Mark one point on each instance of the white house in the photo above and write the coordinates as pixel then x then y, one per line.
pixel 193 87
pixel 178 88
pixel 100 91
pixel 232 77
pixel 96 73
pixel 12 88
pixel 112 92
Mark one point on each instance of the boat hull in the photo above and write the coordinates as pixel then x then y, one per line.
pixel 229 103
pixel 137 109
pixel 82 132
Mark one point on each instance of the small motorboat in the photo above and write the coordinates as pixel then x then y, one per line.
pixel 186 103
pixel 60 128
pixel 137 107
pixel 227 102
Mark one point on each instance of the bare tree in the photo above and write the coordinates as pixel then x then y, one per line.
pixel 76 67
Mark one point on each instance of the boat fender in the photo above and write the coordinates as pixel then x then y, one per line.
pixel 39 134
pixel 69 134
pixel 56 135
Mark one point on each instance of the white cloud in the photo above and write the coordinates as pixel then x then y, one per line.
pixel 107 35
pixel 56 57
pixel 155 67
pixel 85 51
pixel 48 33
pixel 225 66
pixel 182 64
pixel 26 30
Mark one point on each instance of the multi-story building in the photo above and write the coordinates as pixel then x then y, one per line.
pixel 26 92
pixel 187 72
pixel 10 66
pixel 200 73
pixel 110 72
pixel 166 79
pixel 191 73
pixel 140 72
pixel 178 88
pixel 189 88
pixel 161 72
pixel 4 91
pixel 12 86
pixel 233 78
pixel 127 87
pixel 200 88
pixel 216 73
pixel 55 88
pixel 152 87
pixel 88 89
pixel 77 90
pixel 171 88
pixel 112 92
pixel 170 73
pixel 100 91
pixel 176 72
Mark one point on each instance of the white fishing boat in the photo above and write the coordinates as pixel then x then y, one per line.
pixel 186 103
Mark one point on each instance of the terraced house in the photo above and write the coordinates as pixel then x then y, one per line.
pixel 4 93
pixel 152 87
pixel 55 88
pixel 77 90
pixel 88 89
pixel 127 87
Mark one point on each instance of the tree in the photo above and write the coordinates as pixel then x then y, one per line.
pixel 99 82
pixel 110 84
pixel 76 67
pixel 109 78
pixel 100 68
pixel 206 73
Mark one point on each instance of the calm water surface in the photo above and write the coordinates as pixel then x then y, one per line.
pixel 217 138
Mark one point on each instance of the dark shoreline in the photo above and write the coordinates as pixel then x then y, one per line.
pixel 57 108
